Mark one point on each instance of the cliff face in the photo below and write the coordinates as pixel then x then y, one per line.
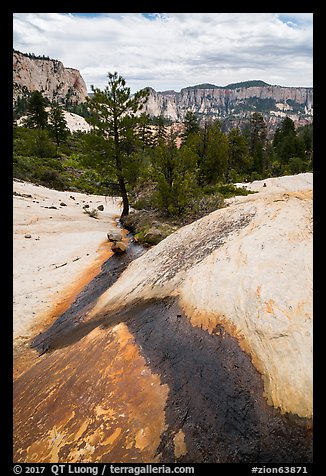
pixel 48 76
pixel 239 102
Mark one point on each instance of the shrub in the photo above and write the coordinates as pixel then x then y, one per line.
pixel 52 179
pixel 225 190
pixel 45 172
pixel 230 190
pixel 297 165
pixel 201 206
pixel 43 147
pixel 145 203
pixel 255 176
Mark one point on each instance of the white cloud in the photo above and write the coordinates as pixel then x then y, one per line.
pixel 174 50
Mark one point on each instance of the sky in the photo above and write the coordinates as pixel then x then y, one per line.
pixel 174 50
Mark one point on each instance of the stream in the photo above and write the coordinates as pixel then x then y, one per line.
pixel 66 324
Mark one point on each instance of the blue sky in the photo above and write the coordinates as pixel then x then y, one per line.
pixel 174 50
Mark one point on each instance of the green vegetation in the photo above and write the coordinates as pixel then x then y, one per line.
pixel 37 117
pixel 204 86
pixel 137 158
pixel 80 109
pixel 293 149
pixel 191 125
pixel 57 124
pixel 61 168
pixel 256 104
pixel 114 120
pixel 297 107
pixel 247 84
pixel 33 55
pixel 243 84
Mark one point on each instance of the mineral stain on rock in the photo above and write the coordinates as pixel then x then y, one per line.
pixel 213 411
pixel 94 401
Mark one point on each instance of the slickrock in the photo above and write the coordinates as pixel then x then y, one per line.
pixel 249 267
pixel 199 351
pixel 39 280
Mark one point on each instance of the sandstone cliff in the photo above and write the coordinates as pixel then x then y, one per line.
pixel 233 101
pixel 55 81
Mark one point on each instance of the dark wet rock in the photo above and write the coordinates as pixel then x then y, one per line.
pixel 86 206
pixel 68 326
pixel 63 204
pixel 101 208
pixel 28 235
pixel 216 395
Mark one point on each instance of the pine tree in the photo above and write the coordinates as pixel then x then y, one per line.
pixel 214 163
pixel 238 157
pixel 37 117
pixel 286 143
pixel 191 125
pixel 58 124
pixel 257 141
pixel 114 120
pixel 144 131
pixel 160 135
pixel 175 173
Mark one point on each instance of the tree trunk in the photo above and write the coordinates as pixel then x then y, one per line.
pixel 123 191
pixel 125 201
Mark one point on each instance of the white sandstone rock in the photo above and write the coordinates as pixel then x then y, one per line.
pixel 247 266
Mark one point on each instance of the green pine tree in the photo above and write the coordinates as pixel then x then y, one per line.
pixel 257 141
pixel 287 143
pixel 37 117
pixel 58 124
pixel 160 134
pixel 215 158
pixel 144 131
pixel 191 125
pixel 114 120
pixel 176 175
pixel 239 160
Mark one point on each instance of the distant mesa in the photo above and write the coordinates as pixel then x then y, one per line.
pixel 235 103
